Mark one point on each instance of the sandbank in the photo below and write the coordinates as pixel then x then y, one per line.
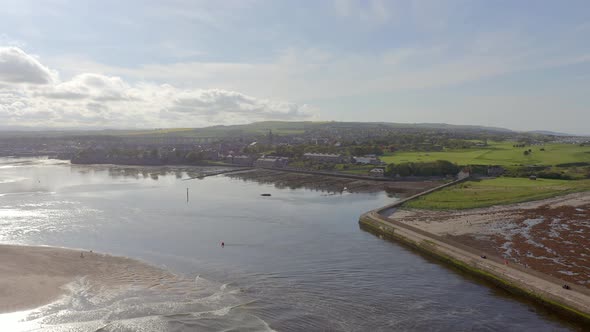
pixel 34 276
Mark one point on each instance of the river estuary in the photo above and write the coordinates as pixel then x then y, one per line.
pixel 294 261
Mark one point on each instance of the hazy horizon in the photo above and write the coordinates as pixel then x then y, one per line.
pixel 74 129
pixel 135 65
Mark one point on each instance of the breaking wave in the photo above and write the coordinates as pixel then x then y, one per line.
pixel 170 305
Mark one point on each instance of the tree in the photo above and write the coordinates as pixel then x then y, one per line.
pixel 404 169
pixel 446 167
pixel 390 170
pixel 435 168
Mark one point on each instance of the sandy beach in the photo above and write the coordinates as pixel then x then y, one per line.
pixel 34 276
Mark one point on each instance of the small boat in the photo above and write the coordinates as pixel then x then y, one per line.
pixel 265 195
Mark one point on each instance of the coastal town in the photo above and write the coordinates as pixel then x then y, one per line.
pixel 340 165
pixel 355 149
pixel 509 207
pixel 467 187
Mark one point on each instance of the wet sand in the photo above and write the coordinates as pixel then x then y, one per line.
pixel 34 276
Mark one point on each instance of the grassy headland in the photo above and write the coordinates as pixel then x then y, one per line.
pixel 504 190
pixel 500 153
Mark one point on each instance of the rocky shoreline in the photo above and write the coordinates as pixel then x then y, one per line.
pixel 449 237
pixel 547 235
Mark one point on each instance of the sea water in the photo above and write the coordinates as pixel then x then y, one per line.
pixel 294 261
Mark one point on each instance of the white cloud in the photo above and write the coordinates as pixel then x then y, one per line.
pixel 88 86
pixel 304 75
pixel 17 66
pixel 96 100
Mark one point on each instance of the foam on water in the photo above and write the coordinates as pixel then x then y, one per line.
pixel 178 305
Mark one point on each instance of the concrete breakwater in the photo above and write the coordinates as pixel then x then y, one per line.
pixel 546 290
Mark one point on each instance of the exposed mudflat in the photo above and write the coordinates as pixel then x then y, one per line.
pixel 551 235
pixel 332 184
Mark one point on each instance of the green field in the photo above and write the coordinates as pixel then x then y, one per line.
pixel 354 169
pixel 483 193
pixel 499 153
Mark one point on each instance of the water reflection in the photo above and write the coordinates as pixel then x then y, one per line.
pixel 149 172
pixel 298 254
pixel 330 184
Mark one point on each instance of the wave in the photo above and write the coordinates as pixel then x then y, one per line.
pixel 177 304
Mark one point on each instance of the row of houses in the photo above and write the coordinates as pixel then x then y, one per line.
pixel 282 162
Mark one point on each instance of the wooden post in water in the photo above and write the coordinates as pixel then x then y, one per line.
pixel 186 195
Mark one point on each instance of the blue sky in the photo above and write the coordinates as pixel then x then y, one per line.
pixel 519 64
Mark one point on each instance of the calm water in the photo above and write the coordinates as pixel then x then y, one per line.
pixel 296 261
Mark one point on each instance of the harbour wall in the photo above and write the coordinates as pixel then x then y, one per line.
pixel 546 290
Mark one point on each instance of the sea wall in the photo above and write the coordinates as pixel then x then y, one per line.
pixel 546 290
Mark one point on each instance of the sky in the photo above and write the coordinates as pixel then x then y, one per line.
pixel 523 65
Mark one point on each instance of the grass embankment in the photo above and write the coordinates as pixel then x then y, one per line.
pixel 484 193
pixel 500 153
pixel 354 169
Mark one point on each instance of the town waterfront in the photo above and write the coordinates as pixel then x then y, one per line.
pixel 293 261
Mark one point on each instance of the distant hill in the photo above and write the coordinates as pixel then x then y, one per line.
pixel 256 128
pixel 299 127
pixel 547 132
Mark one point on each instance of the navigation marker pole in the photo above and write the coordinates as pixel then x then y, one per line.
pixel 186 195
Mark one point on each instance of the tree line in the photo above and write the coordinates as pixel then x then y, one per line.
pixel 432 168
